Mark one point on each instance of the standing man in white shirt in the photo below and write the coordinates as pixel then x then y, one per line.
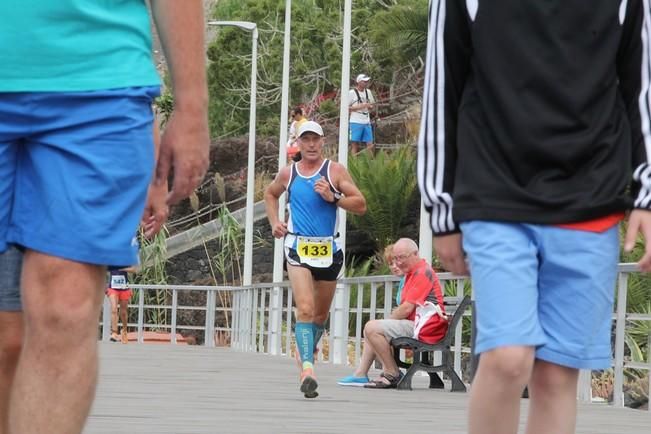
pixel 361 101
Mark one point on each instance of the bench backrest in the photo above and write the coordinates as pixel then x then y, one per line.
pixel 456 317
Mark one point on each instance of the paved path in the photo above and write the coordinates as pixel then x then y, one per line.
pixel 195 390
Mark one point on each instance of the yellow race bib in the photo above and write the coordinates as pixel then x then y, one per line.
pixel 315 251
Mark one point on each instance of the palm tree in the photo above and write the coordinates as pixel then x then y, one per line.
pixel 388 182
pixel 400 32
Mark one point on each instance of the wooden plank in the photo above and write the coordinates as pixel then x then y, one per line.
pixel 183 389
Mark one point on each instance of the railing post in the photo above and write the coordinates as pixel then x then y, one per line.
pixel 648 356
pixel 106 320
pixel 458 332
pixel 388 299
pixel 339 324
pixel 141 315
pixel 373 306
pixel 474 357
pixel 275 320
pixel 263 300
pixel 288 327
pixel 252 324
pixel 249 314
pixel 175 297
pixel 235 321
pixel 209 331
pixel 246 319
pixel 584 387
pixel 358 323
pixel 620 326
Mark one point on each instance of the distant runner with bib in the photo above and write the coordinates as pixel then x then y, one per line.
pixel 315 188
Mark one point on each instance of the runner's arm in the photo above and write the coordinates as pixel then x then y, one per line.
pixel 353 200
pixel 271 196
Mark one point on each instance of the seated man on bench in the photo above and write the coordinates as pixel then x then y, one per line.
pixel 420 314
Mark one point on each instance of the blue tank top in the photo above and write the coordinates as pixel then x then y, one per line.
pixel 309 213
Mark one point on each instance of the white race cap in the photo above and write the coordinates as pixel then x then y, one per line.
pixel 362 77
pixel 310 127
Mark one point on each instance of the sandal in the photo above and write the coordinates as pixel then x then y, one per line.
pixel 379 384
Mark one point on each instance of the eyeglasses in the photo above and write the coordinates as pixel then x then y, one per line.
pixel 403 257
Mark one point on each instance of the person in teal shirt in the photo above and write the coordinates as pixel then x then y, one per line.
pixel 76 160
pixel 360 376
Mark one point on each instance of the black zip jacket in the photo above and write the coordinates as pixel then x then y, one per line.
pixel 535 111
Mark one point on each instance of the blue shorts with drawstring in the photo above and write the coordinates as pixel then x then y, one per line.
pixel 544 286
pixel 74 172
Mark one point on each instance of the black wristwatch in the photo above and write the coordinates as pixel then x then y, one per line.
pixel 337 196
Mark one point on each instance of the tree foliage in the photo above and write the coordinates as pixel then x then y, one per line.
pixel 399 35
pixel 388 183
pixel 316 49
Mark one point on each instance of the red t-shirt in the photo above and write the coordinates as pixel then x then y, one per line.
pixel 421 286
pixel 598 225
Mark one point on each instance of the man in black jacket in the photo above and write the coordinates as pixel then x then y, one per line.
pixel 535 116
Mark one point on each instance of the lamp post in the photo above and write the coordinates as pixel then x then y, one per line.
pixel 340 332
pixel 250 178
pixel 275 326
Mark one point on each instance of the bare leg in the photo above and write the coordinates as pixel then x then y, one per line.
pixel 552 393
pixel 495 395
pixel 124 316
pixel 11 336
pixel 354 148
pixel 368 357
pixel 303 289
pixel 59 357
pixel 113 299
pixel 375 336
pixel 324 291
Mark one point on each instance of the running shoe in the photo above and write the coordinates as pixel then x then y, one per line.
pixel 351 380
pixel 308 383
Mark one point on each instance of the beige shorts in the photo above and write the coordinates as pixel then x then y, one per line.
pixel 395 328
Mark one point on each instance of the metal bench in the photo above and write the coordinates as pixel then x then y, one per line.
pixel 423 354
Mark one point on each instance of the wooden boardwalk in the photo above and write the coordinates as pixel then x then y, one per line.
pixel 195 390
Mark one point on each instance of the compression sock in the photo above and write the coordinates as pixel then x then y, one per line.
pixel 305 342
pixel 318 332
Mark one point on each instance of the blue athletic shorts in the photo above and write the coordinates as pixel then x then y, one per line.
pixel 74 171
pixel 361 133
pixel 10 267
pixel 544 286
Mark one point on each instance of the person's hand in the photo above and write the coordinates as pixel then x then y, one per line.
pixel 184 150
pixel 279 229
pixel 450 253
pixel 640 222
pixel 322 186
pixel 156 209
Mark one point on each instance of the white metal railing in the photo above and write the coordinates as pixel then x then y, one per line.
pixel 259 318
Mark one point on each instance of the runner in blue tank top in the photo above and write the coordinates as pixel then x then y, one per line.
pixel 315 187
